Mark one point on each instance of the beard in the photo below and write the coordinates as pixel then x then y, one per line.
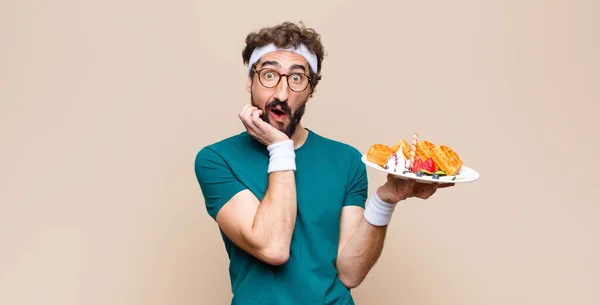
pixel 294 117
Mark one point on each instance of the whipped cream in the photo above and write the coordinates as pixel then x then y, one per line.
pixel 396 162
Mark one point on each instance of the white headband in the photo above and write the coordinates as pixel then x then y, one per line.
pixel 259 52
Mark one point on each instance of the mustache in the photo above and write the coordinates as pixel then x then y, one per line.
pixel 283 105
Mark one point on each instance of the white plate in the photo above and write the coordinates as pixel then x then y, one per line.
pixel 465 174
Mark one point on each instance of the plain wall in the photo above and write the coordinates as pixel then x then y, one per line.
pixel 104 104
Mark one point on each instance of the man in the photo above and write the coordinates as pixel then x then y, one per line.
pixel 290 203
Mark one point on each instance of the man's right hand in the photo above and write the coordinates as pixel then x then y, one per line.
pixel 259 129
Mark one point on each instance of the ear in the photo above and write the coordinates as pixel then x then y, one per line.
pixel 249 84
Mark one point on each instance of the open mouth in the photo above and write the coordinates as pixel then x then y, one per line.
pixel 278 113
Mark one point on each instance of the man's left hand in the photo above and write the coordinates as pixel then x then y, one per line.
pixel 397 189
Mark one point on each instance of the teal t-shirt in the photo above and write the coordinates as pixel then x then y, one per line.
pixel 329 175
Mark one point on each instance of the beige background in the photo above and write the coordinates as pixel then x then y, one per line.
pixel 104 104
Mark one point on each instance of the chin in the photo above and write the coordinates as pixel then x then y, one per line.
pixel 281 127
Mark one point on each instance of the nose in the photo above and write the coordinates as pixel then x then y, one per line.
pixel 281 91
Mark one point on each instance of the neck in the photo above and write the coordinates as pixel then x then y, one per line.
pixel 299 136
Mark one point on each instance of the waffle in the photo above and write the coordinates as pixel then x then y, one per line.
pixel 446 159
pixel 379 153
pixel 424 149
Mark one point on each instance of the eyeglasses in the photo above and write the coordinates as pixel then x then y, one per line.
pixel 270 78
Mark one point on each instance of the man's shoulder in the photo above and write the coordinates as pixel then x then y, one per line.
pixel 336 146
pixel 232 140
pixel 218 149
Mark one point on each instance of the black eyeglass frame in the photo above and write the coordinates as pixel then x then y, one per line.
pixel 309 83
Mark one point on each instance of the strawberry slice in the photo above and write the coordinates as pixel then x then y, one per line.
pixel 429 165
pixel 418 164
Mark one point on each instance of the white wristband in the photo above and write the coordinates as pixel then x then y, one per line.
pixel 282 156
pixel 378 212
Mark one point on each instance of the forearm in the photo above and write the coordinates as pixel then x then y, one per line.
pixel 275 218
pixel 361 253
pixel 276 215
pixel 365 245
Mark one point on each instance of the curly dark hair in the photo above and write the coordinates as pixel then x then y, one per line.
pixel 284 35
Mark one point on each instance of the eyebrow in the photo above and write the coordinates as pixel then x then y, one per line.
pixel 296 66
pixel 270 63
pixel 274 63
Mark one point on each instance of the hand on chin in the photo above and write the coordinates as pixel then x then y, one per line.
pixel 265 132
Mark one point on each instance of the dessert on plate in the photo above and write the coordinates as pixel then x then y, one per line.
pixel 420 157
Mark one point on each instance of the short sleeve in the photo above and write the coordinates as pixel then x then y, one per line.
pixel 357 187
pixel 217 182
